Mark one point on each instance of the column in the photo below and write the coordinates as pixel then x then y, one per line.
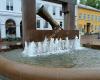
pixel 28 19
pixel 18 31
pixel 3 31
pixel 69 15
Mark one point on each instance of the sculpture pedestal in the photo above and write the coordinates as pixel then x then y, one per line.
pixel 39 35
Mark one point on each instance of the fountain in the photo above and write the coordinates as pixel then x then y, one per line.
pixel 77 43
pixel 40 43
pixel 53 46
pixel 55 42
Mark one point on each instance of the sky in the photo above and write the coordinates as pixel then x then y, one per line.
pixel 78 1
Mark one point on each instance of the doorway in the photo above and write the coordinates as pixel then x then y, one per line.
pixel 10 28
pixel 88 27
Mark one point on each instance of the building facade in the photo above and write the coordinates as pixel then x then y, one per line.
pixel 87 19
pixel 11 17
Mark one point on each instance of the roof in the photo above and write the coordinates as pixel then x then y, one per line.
pixel 88 7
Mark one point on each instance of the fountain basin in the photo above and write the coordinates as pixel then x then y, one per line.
pixel 93 46
pixel 55 62
pixel 85 63
pixel 72 59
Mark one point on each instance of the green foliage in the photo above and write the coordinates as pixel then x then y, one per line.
pixel 75 2
pixel 92 3
pixel 98 4
pixel 83 2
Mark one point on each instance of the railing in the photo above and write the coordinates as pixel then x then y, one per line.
pixel 17 71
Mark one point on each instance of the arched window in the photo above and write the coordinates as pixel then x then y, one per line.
pixel 9 5
pixel 10 28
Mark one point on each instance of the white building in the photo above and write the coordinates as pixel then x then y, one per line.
pixel 11 17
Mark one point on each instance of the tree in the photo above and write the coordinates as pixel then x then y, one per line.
pixel 83 1
pixel 98 4
pixel 75 2
pixel 92 3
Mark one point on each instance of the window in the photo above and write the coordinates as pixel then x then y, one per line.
pixel 60 12
pixel 11 8
pixel 98 18
pixel 80 16
pixel 38 23
pixel 89 17
pixel 84 16
pixel 61 24
pixel 92 17
pixel 9 5
pixel 46 25
pixel 54 10
pixel 95 18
